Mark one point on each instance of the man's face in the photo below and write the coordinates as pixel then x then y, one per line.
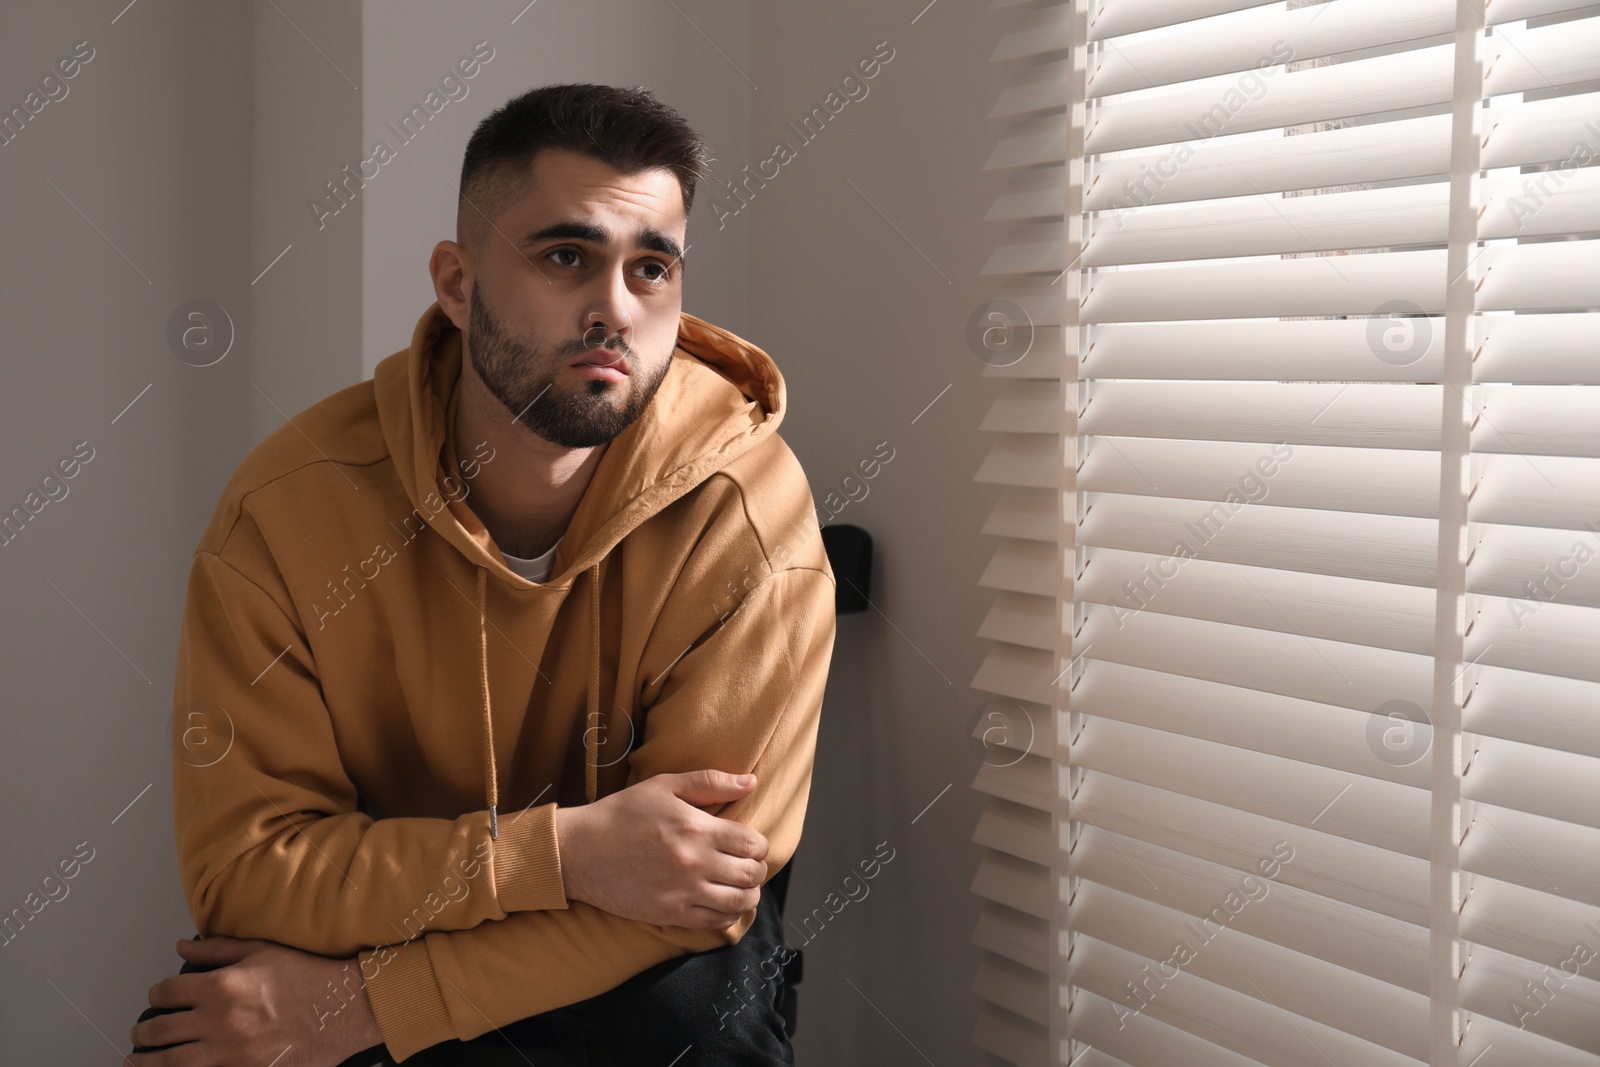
pixel 591 245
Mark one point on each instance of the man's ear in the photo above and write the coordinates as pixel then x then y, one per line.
pixel 451 267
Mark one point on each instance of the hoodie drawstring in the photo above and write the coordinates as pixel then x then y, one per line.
pixel 491 783
pixel 590 744
pixel 591 750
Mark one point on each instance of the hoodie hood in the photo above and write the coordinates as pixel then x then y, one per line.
pixel 721 397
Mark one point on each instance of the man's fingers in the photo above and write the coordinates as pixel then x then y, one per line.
pixel 709 786
pixel 729 900
pixel 733 838
pixel 172 993
pixel 216 951
pixel 708 919
pixel 739 873
pixel 179 990
pixel 726 910
pixel 174 1029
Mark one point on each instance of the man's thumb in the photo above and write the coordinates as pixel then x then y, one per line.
pixel 712 786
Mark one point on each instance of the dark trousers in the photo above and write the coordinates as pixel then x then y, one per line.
pixel 708 1009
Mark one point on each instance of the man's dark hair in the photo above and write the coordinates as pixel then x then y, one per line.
pixel 627 129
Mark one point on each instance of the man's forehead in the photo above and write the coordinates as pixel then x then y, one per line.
pixel 571 186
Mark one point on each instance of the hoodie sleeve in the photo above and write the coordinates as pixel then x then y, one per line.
pixel 745 697
pixel 271 841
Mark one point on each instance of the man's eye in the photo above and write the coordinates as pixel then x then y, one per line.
pixel 662 267
pixel 563 251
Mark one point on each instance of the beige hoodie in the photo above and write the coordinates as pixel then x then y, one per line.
pixel 375 718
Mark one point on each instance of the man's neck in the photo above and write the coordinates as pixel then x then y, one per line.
pixel 527 496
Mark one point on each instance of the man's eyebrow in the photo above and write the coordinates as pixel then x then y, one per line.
pixel 648 237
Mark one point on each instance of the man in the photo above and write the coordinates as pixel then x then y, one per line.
pixel 473 652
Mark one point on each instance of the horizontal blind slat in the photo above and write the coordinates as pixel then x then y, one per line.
pixel 1383 814
pixel 1163 941
pixel 1243 1022
pixel 1011 1038
pixel 1387 949
pixel 1020 673
pixel 1535 634
pixel 1023 515
pixel 1021 567
pixel 1516 61
pixel 1350 610
pixel 1024 408
pixel 1497 984
pixel 1151 1042
pixel 1027 461
pixel 1255 288
pixel 1367 878
pixel 1535 709
pixel 1023 779
pixel 1538 132
pixel 1213 106
pixel 1357 416
pixel 1519 1046
pixel 1268 224
pixel 1285 664
pixel 1524 923
pixel 1029 142
pixel 1270 35
pixel 1014 934
pixel 1015 883
pixel 1366 480
pixel 1265 224
pixel 1314 733
pixel 1023 991
pixel 1518 58
pixel 1118 19
pixel 1035 32
pixel 1556 492
pixel 1536 420
pixel 1380 548
pixel 1016 830
pixel 1555 785
pixel 1544 276
pixel 1532 851
pixel 1506 559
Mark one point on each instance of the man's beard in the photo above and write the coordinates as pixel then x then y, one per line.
pixel 522 377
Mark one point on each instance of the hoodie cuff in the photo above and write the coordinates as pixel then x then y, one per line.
pixel 527 863
pixel 406 1001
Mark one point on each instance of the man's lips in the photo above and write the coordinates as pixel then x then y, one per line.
pixel 602 357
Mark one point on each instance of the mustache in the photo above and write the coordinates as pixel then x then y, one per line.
pixel 612 341
pixel 488 339
pixel 582 348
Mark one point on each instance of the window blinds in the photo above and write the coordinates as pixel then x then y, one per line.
pixel 1293 756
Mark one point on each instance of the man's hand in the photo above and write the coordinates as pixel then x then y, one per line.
pixel 650 854
pixel 265 1004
